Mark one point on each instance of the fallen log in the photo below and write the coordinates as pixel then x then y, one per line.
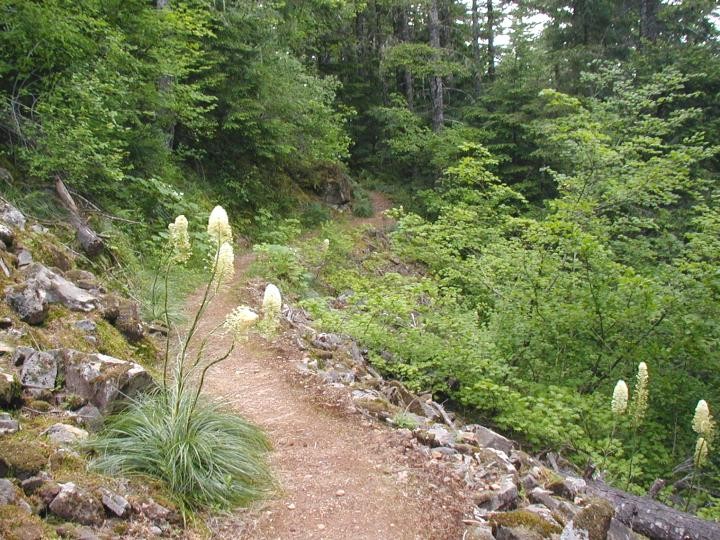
pixel 654 519
pixel 89 240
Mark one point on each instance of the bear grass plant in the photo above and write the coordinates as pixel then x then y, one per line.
pixel 207 456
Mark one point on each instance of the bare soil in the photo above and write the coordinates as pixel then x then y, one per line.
pixel 342 476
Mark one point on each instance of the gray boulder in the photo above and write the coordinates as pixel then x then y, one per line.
pixel 65 434
pixel 488 438
pixel 90 417
pixel 10 494
pixel 39 370
pixel 117 504
pixel 29 300
pixel 11 215
pixel 102 380
pixel 76 504
pixel 59 290
pixel 24 258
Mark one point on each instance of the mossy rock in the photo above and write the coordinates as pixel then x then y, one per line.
pixel 112 342
pixel 39 405
pixel 526 520
pixel 22 458
pixel 595 519
pixel 17 524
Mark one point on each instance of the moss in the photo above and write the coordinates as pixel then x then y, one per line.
pixel 22 459
pixel 39 405
pixel 57 312
pixel 595 519
pixel 527 520
pixel 16 524
pixel 112 342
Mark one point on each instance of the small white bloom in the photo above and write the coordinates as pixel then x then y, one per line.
pixel 620 398
pixel 701 452
pixel 240 320
pixel 640 404
pixel 219 226
pixel 272 301
pixel 225 264
pixel 703 422
pixel 326 244
pixel 179 239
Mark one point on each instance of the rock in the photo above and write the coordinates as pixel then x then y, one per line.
pixel 5 323
pixel 338 190
pixel 60 290
pixel 620 531
pixel 436 435
pixel 43 487
pixel 76 504
pixel 8 424
pixel 10 494
pixel 117 504
pixel 83 279
pixel 86 325
pixel 568 488
pixel 9 389
pixel 516 533
pixel 544 513
pixel 11 216
pixel 503 497
pixel 90 417
pixel 373 403
pixel 21 354
pixel 478 532
pixel 488 438
pixel 128 321
pixel 65 434
pixel 39 370
pixel 590 523
pixel 102 380
pixel 7 236
pixel 29 301
pixel 24 258
pixel 153 511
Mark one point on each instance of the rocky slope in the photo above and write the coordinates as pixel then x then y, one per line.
pixel 70 354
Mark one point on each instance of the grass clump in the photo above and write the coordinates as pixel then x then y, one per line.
pixel 206 456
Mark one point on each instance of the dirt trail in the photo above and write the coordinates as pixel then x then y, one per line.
pixel 342 476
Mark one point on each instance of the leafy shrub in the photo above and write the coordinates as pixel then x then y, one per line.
pixel 362 205
pixel 280 264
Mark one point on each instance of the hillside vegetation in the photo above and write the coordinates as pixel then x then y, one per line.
pixel 556 187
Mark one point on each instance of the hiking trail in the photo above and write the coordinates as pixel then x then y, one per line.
pixel 341 475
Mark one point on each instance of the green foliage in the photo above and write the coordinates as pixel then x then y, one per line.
pixel 279 264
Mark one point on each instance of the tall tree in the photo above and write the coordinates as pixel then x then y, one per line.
pixel 436 82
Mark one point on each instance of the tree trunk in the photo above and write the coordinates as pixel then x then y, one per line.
pixel 165 85
pixel 477 58
pixel 654 519
pixel 90 242
pixel 491 40
pixel 649 19
pixel 436 82
pixel 407 74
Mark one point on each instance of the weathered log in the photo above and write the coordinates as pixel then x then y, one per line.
pixel 89 240
pixel 654 519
